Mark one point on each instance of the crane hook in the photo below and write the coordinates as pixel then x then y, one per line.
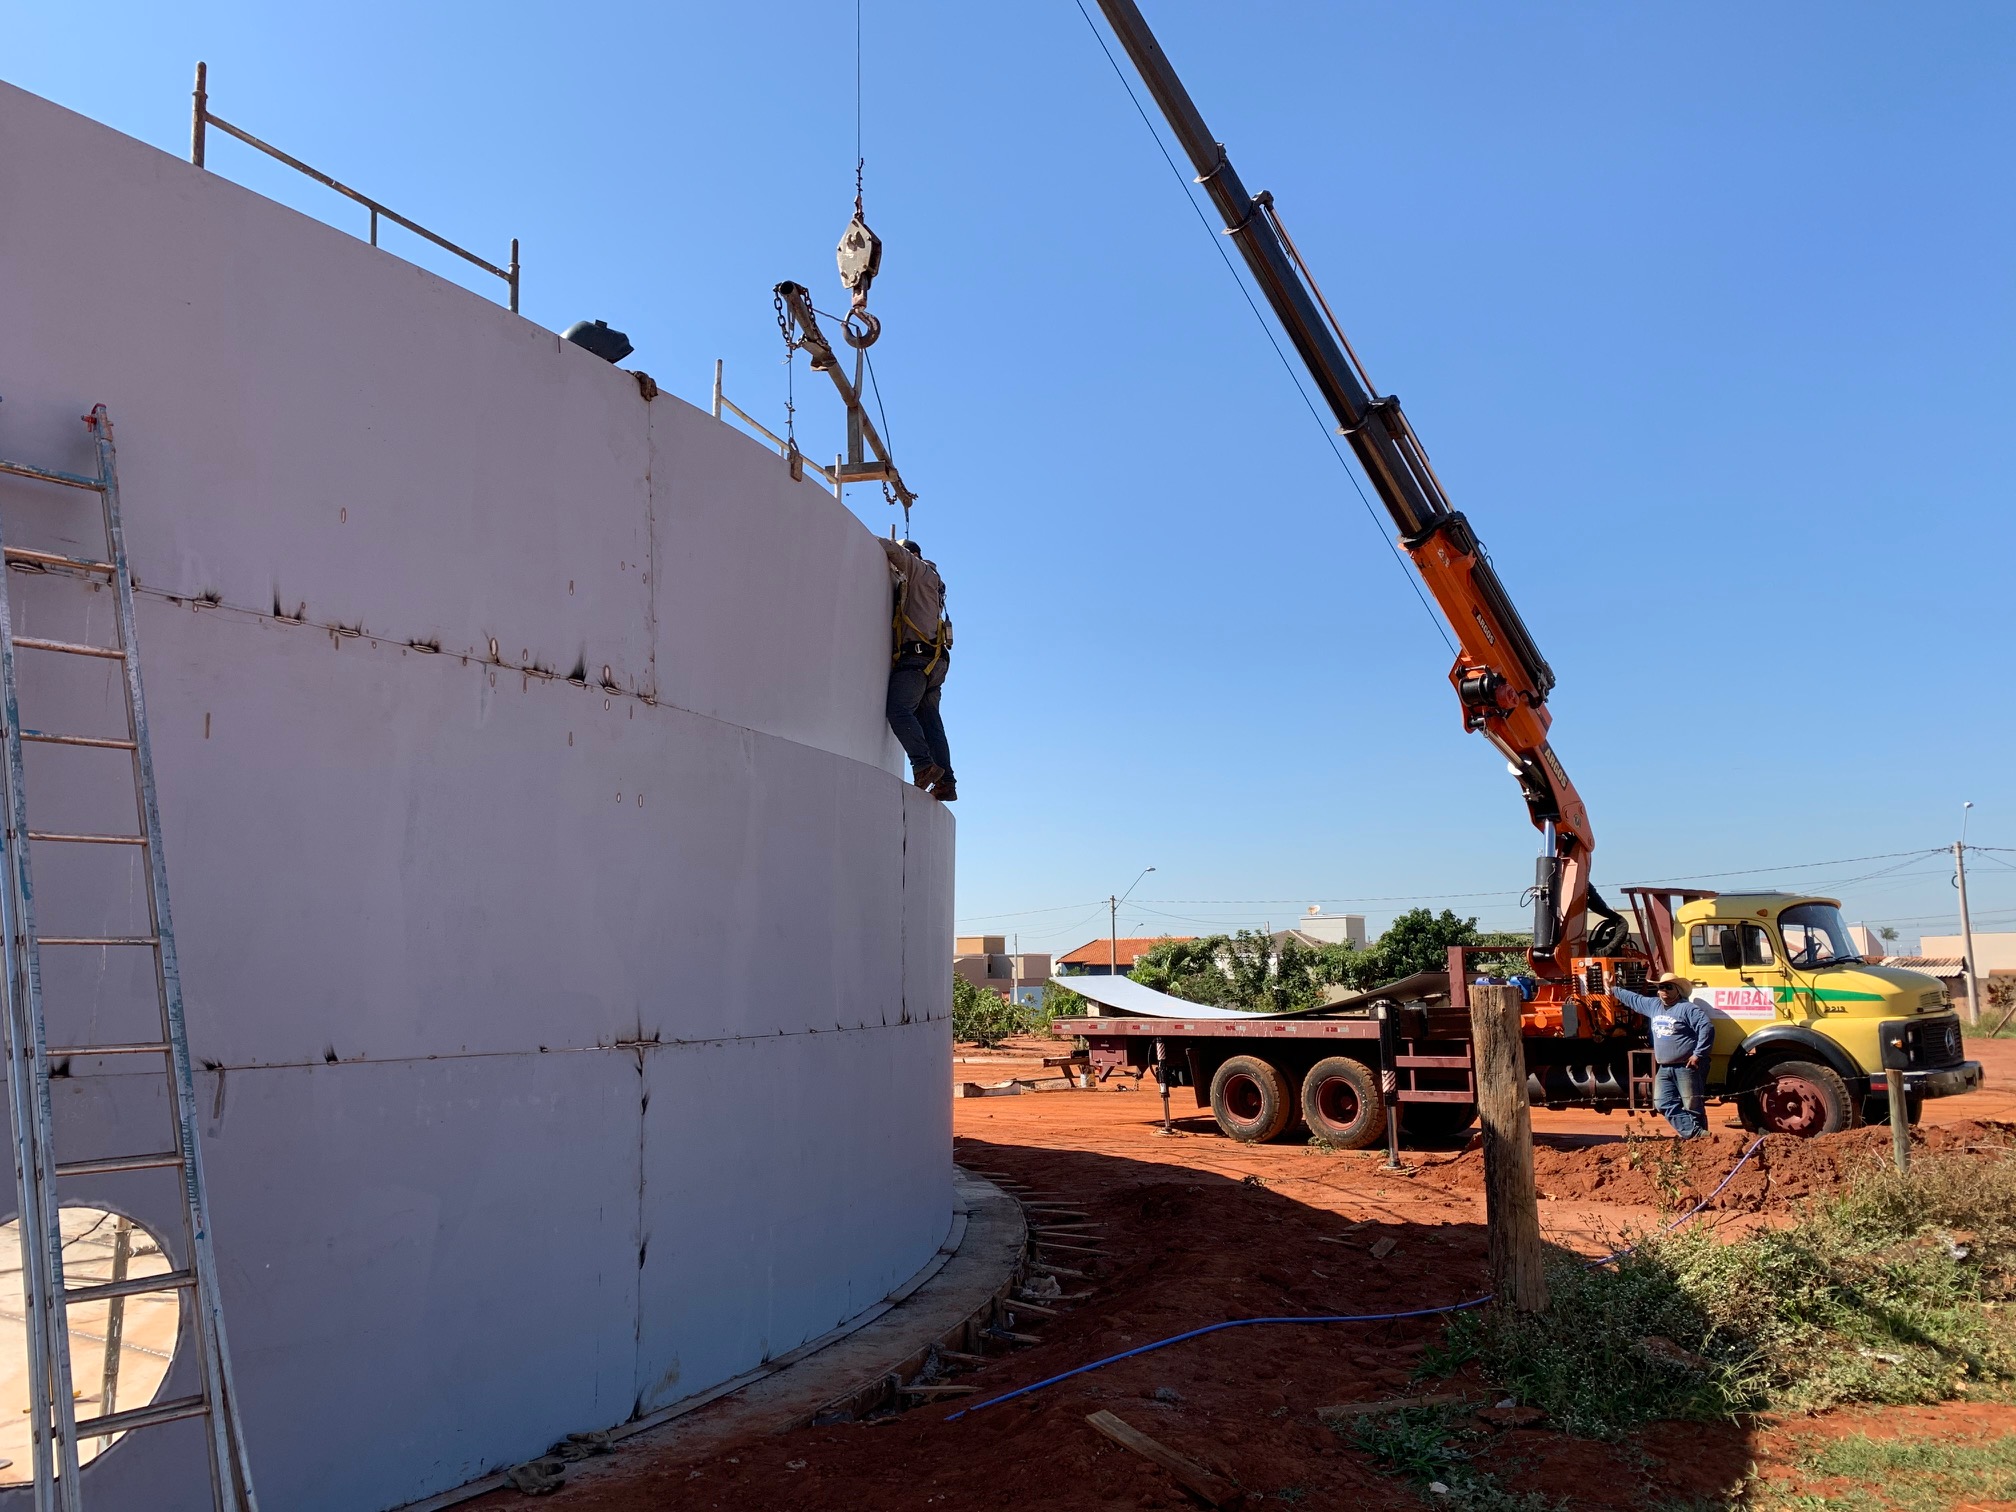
pixel 860 258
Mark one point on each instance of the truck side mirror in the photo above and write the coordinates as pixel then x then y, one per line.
pixel 1732 950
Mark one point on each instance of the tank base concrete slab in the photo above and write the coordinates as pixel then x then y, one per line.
pixel 849 1372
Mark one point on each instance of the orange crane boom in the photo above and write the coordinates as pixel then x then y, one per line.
pixel 1501 680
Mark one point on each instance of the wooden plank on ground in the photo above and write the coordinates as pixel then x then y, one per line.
pixel 1194 1478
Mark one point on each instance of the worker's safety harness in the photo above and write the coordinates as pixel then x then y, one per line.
pixel 937 643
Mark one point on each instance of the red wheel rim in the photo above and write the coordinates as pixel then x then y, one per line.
pixel 1792 1105
pixel 1338 1102
pixel 1243 1098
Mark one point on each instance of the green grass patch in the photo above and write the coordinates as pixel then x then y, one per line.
pixel 1435 1448
pixel 1896 1290
pixel 1899 1475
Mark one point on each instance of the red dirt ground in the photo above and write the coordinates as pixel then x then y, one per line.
pixel 1194 1229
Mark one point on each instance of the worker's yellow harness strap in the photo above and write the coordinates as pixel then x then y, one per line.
pixel 919 574
pixel 940 641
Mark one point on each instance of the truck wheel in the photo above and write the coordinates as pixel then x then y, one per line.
pixel 1798 1097
pixel 1341 1104
pixel 1437 1120
pixel 1250 1099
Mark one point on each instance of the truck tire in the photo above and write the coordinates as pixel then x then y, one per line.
pixel 1798 1097
pixel 1250 1099
pixel 1437 1120
pixel 1341 1104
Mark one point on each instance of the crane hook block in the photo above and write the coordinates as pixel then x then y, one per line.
pixel 860 258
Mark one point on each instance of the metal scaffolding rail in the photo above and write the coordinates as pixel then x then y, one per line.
pixel 201 118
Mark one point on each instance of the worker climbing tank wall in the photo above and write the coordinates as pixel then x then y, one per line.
pixel 498 714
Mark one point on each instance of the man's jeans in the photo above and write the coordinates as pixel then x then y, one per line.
pixel 1680 1095
pixel 913 709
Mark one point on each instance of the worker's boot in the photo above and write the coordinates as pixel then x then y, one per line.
pixel 945 789
pixel 927 774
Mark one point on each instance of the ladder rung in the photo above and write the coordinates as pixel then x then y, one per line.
pixel 87 839
pixel 157 1047
pixel 51 559
pixel 31 643
pixel 96 940
pixel 142 1417
pixel 117 1163
pixel 50 475
pixel 133 1286
pixel 79 740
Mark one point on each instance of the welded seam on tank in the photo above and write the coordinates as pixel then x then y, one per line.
pixel 903 913
pixel 476 659
pixel 650 550
pixel 643 1228
pixel 621 1047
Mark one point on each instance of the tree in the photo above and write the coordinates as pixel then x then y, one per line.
pixel 985 1018
pixel 1188 969
pixel 1060 1002
pixel 1419 940
pixel 1249 971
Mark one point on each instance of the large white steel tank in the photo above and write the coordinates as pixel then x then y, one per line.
pixel 568 961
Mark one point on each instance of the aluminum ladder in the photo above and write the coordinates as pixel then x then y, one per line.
pixel 38 1169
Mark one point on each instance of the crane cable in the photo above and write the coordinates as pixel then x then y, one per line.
pixel 1218 242
pixel 889 495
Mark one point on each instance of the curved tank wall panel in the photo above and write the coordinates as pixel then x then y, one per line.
pixel 567 960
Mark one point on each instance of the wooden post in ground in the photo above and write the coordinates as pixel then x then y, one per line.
pixel 1518 1278
pixel 1900 1119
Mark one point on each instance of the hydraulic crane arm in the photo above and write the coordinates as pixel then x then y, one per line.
pixel 1500 677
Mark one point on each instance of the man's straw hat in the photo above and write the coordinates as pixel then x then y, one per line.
pixel 1672 979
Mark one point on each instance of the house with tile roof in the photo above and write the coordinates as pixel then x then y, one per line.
pixel 1106 956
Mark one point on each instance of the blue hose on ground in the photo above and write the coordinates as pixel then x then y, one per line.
pixel 1755 1145
pixel 1419 1312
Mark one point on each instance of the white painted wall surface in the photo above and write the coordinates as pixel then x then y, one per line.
pixel 521 1117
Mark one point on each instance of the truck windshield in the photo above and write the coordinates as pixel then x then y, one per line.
pixel 1816 935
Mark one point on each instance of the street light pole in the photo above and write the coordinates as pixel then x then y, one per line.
pixel 1966 922
pixel 1113 923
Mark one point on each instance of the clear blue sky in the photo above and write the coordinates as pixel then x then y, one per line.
pixel 1704 311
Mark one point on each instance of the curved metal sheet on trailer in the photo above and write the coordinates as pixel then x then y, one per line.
pixel 1130 999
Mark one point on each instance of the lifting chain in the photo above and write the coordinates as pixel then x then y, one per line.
pixel 791 453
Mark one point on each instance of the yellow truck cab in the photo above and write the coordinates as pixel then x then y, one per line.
pixel 1804 1026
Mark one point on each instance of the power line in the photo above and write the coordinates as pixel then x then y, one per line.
pixel 1026 912
pixel 1751 871
pixel 1502 892
pixel 1218 243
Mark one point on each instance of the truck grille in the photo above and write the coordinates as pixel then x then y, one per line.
pixel 1935 1044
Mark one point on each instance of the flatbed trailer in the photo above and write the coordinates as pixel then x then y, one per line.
pixel 1354 1077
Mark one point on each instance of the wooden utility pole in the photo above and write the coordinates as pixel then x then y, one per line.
pixel 1512 1209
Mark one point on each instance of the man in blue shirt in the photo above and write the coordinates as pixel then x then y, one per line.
pixel 1683 1032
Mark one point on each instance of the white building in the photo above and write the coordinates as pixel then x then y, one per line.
pixel 1992 952
pixel 1318 928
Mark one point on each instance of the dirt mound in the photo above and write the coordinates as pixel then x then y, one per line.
pixel 1672 1174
